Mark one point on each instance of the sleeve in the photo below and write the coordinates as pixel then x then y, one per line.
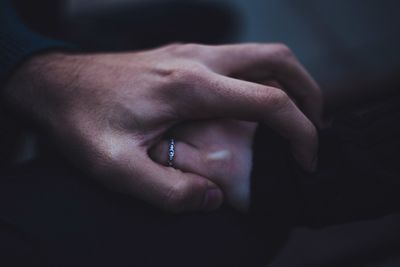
pixel 17 42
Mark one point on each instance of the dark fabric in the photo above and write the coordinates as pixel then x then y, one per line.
pixel 17 42
pixel 358 173
pixel 52 215
pixel 343 215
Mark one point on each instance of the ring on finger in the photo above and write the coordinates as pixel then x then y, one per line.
pixel 171 152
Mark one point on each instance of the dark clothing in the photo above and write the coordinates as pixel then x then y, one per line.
pixel 17 42
pixel 358 171
pixel 344 215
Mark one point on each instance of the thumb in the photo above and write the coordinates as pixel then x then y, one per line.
pixel 177 191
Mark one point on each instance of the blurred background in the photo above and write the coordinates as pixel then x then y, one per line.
pixel 341 42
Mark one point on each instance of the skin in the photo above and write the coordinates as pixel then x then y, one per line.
pixel 218 149
pixel 106 111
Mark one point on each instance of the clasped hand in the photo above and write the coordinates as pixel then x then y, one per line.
pixel 110 114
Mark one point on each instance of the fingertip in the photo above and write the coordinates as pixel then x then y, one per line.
pixel 213 199
pixel 307 164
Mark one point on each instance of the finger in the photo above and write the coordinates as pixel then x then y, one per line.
pixel 226 97
pixel 219 165
pixel 187 157
pixel 164 187
pixel 177 191
pixel 276 61
pixel 271 83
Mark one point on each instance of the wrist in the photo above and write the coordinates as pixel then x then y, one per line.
pixel 37 85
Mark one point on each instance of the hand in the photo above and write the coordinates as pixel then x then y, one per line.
pixel 107 110
pixel 220 150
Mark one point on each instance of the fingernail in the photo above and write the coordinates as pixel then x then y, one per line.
pixel 212 199
pixel 219 155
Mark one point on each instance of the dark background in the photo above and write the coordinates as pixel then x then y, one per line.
pixel 339 41
pixel 346 44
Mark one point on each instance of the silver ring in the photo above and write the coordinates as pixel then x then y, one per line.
pixel 171 152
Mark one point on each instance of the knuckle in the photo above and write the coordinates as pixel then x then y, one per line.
pixel 283 51
pixel 185 50
pixel 190 48
pixel 172 47
pixel 188 73
pixel 199 51
pixel 281 57
pixel 277 99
